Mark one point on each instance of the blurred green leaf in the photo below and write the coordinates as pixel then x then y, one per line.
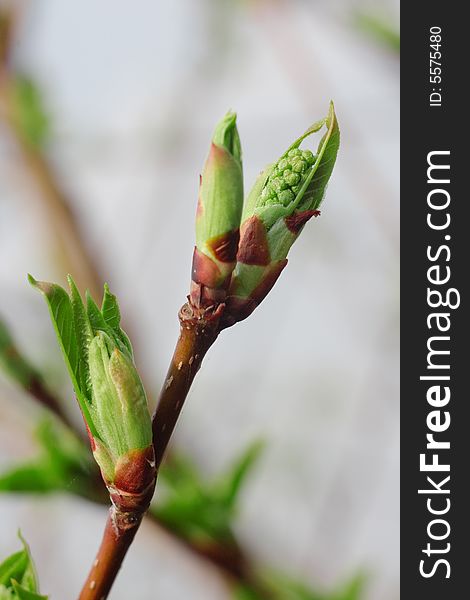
pixel 64 463
pixel 379 28
pixel 243 592
pixel 199 510
pixel 353 589
pixel 278 586
pixel 187 505
pixel 229 485
pixel 29 111
pixel 12 362
pixel 18 579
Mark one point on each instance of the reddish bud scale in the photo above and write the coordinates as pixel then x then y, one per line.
pixel 134 480
pixel 253 249
pixel 296 221
pixel 211 278
pixel 225 246
pixel 90 437
pixel 239 308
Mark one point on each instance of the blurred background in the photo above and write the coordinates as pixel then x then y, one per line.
pixel 104 185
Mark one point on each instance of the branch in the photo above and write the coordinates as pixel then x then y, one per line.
pixel 118 536
pixel 199 329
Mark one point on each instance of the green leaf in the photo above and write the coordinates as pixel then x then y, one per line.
pixel 84 335
pixel 13 567
pixel 108 319
pixel 188 505
pixel 202 510
pixel 284 587
pixel 327 151
pixel 379 28
pixel 62 316
pixel 16 366
pixel 6 594
pixel 29 112
pixel 243 592
pixel 24 594
pixel 35 477
pixel 231 483
pixel 110 309
pixel 64 463
pixel 18 577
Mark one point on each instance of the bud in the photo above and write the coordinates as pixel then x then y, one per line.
pixel 285 196
pixel 119 406
pixel 218 215
pixel 109 390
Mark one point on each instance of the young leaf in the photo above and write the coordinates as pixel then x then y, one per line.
pixel 231 483
pixel 327 151
pixel 63 464
pixel 24 594
pixel 84 335
pixel 108 319
pixel 110 309
pixel 13 567
pixel 62 316
pixel 18 579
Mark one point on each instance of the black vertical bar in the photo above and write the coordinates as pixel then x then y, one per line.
pixel 425 127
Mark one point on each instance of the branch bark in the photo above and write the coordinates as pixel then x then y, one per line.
pixel 118 536
pixel 199 329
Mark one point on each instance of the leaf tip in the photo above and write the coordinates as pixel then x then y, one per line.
pixel 72 284
pixel 43 286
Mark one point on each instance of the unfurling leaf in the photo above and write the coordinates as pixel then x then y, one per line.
pixel 218 215
pixel 18 580
pixel 286 195
pixel 99 358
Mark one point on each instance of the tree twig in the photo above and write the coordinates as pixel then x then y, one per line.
pixel 199 329
pixel 118 536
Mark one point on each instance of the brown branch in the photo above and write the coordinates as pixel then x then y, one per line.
pixel 199 329
pixel 118 535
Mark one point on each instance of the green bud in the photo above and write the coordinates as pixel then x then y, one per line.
pixel 99 357
pixel 119 406
pixel 218 214
pixel 285 196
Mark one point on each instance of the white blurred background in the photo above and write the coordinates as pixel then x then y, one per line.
pixel 134 89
